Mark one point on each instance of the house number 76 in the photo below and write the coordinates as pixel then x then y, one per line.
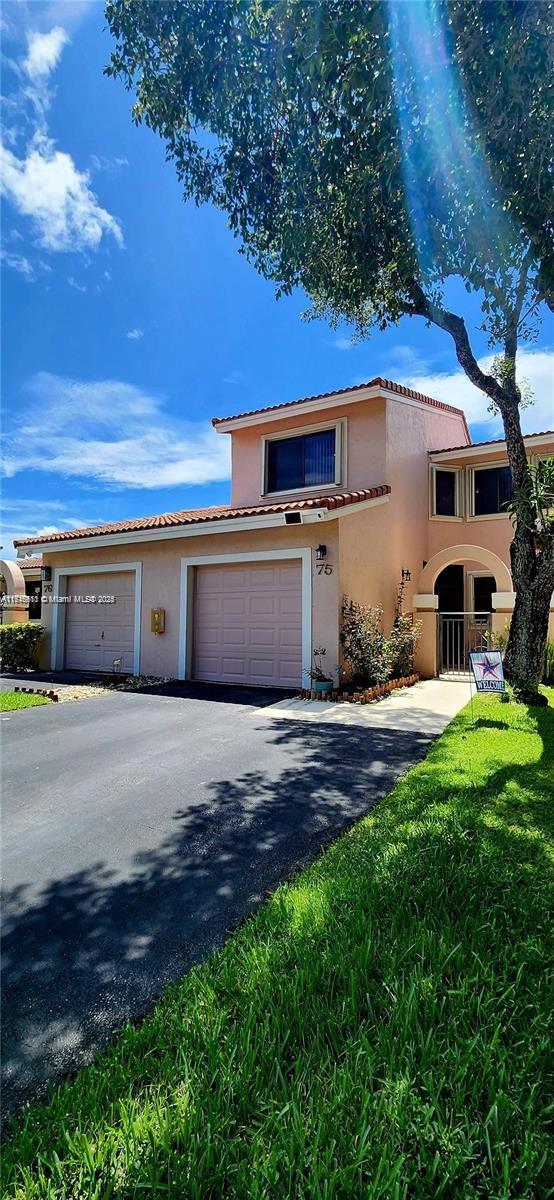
pixel 324 569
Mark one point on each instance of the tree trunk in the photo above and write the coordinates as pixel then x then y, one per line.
pixel 524 657
pixel 532 566
pixel 533 578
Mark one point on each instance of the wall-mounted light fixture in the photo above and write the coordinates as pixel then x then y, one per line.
pixel 406 575
pixel 321 553
pixel 46 574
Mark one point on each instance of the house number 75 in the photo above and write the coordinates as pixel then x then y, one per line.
pixel 324 569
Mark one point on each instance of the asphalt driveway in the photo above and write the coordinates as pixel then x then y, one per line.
pixel 138 830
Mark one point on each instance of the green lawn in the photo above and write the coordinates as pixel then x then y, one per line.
pixel 12 700
pixel 378 1029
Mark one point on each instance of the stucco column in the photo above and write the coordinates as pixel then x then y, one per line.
pixel 425 613
pixel 16 607
pixel 502 609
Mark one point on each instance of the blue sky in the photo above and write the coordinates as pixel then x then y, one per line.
pixel 130 319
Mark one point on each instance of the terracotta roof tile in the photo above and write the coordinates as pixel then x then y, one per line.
pixel 387 384
pixel 31 564
pixel 196 516
pixel 493 442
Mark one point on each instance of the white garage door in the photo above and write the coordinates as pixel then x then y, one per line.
pixel 95 634
pixel 248 624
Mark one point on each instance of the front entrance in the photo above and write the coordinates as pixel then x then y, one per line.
pixel 462 627
pixel 458 634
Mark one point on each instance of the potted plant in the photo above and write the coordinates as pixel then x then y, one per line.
pixel 321 682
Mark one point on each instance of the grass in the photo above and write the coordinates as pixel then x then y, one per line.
pixel 379 1029
pixel 9 701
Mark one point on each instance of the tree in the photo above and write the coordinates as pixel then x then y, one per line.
pixel 372 153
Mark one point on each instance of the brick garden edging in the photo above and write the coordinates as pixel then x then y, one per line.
pixel 38 692
pixel 361 697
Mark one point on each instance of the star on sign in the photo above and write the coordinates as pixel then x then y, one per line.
pixel 488 668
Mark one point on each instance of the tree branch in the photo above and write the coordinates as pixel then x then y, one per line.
pixel 455 326
pixel 512 317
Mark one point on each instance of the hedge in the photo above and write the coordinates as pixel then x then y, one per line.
pixel 19 645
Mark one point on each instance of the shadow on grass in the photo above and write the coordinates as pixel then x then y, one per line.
pixel 380 1028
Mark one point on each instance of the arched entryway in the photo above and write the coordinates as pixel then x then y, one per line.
pixel 465 554
pixel 459 586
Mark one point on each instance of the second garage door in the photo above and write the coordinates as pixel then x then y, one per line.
pixel 248 624
pixel 96 634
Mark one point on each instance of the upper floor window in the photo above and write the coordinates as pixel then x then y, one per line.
pixel 303 461
pixel 445 492
pixel 492 490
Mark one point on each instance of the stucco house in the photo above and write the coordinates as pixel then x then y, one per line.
pixel 332 494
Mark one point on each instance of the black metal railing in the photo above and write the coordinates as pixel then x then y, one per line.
pixel 458 633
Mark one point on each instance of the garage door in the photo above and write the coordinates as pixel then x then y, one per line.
pixel 96 634
pixel 248 624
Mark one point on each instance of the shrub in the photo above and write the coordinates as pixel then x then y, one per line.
pixel 402 643
pixel 548 673
pixel 19 645
pixel 363 642
pixel 498 641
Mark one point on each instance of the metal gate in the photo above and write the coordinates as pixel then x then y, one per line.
pixel 458 633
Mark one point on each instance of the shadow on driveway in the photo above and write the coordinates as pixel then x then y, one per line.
pixel 93 948
pixel 223 693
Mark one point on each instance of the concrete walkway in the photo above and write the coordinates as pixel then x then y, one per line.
pixel 427 707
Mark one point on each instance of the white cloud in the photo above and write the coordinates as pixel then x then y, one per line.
pixel 343 343
pixel 33 518
pixel 43 183
pixel 405 358
pixel 43 52
pixel 18 263
pixel 79 287
pixel 46 186
pixel 99 162
pixel 111 432
pixel 536 367
pixel 135 335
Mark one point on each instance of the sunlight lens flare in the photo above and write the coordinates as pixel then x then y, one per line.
pixel 444 169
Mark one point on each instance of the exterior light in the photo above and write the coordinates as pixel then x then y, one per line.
pixel 406 575
pixel 46 574
pixel 321 553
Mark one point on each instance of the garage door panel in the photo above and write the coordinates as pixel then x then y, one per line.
pixel 262 637
pixel 257 609
pixel 262 577
pixel 233 606
pixel 234 637
pixel 262 606
pixel 290 639
pixel 290 606
pixel 96 634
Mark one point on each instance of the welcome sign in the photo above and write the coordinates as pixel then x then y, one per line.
pixel 487 669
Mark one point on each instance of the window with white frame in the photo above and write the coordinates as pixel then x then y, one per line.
pixel 303 460
pixel 491 491
pixel 445 491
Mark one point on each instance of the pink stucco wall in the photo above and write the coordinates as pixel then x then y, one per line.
pixel 365 448
pixel 376 544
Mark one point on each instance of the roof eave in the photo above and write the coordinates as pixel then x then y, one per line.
pixel 334 400
pixel 128 537
pixel 480 448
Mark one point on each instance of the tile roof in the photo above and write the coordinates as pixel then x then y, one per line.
pixel 493 442
pixel 196 516
pixel 387 384
pixel 31 564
